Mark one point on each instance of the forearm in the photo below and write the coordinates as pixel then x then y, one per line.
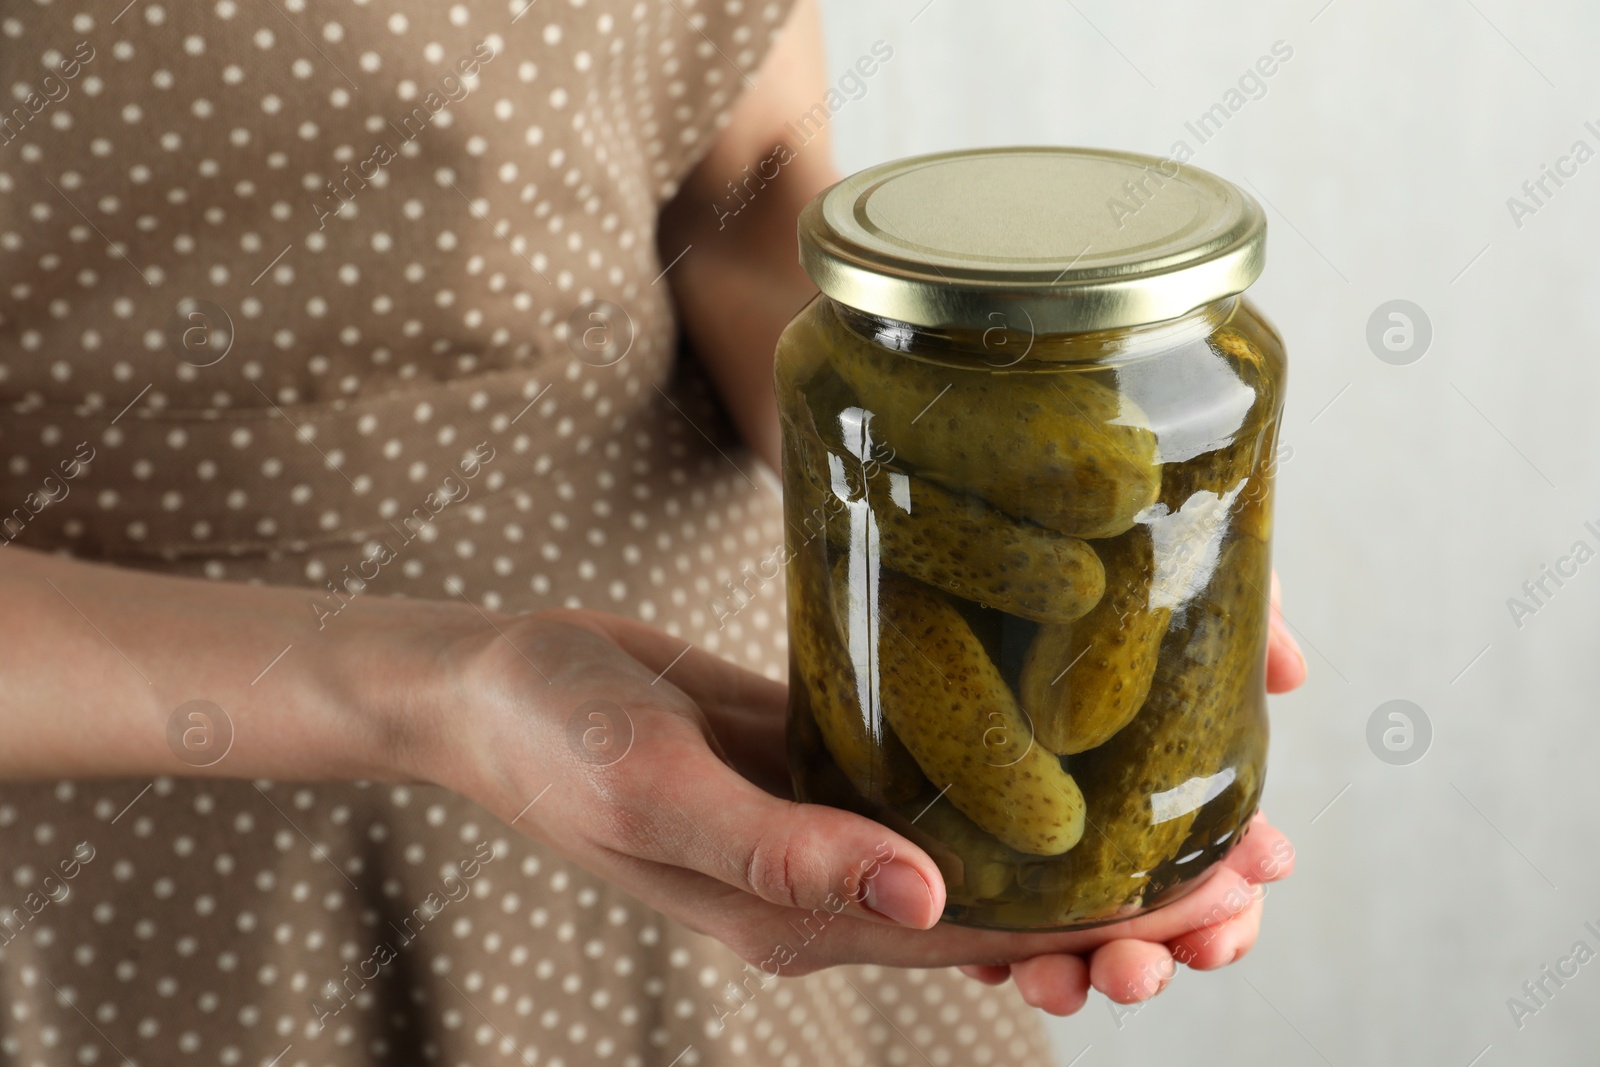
pixel 739 282
pixel 733 307
pixel 97 659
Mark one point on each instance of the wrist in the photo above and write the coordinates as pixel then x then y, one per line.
pixel 398 673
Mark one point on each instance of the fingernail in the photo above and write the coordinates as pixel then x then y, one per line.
pixel 898 893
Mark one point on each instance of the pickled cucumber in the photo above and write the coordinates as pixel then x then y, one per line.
pixel 1111 652
pixel 1247 457
pixel 974 552
pixel 1220 823
pixel 975 865
pixel 952 542
pixel 946 701
pixel 1145 786
pixel 861 743
pixel 1057 449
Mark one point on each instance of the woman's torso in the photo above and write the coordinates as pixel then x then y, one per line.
pixel 216 363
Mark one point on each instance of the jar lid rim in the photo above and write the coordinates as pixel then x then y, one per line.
pixel 1046 239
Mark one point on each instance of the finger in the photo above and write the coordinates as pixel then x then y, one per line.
pixel 1221 896
pixel 684 806
pixel 1227 894
pixel 1286 664
pixel 1234 887
pixel 1263 854
pixel 1128 971
pixel 988 974
pixel 1217 946
pixel 1058 984
pixel 670 798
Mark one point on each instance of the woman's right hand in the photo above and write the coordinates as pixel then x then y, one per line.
pixel 662 769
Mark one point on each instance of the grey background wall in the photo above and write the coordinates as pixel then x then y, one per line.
pixel 1418 499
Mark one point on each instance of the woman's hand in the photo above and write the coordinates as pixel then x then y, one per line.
pixel 662 769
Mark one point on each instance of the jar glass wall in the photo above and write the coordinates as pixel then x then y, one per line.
pixel 1028 580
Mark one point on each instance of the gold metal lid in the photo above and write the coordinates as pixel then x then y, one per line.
pixel 1046 239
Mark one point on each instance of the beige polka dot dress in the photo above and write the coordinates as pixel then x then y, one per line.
pixel 270 271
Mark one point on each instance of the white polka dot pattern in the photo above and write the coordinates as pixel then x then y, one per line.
pixel 271 274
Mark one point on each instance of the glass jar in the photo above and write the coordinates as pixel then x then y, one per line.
pixel 1029 434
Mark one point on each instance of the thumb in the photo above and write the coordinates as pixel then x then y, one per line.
pixel 795 855
pixel 689 809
